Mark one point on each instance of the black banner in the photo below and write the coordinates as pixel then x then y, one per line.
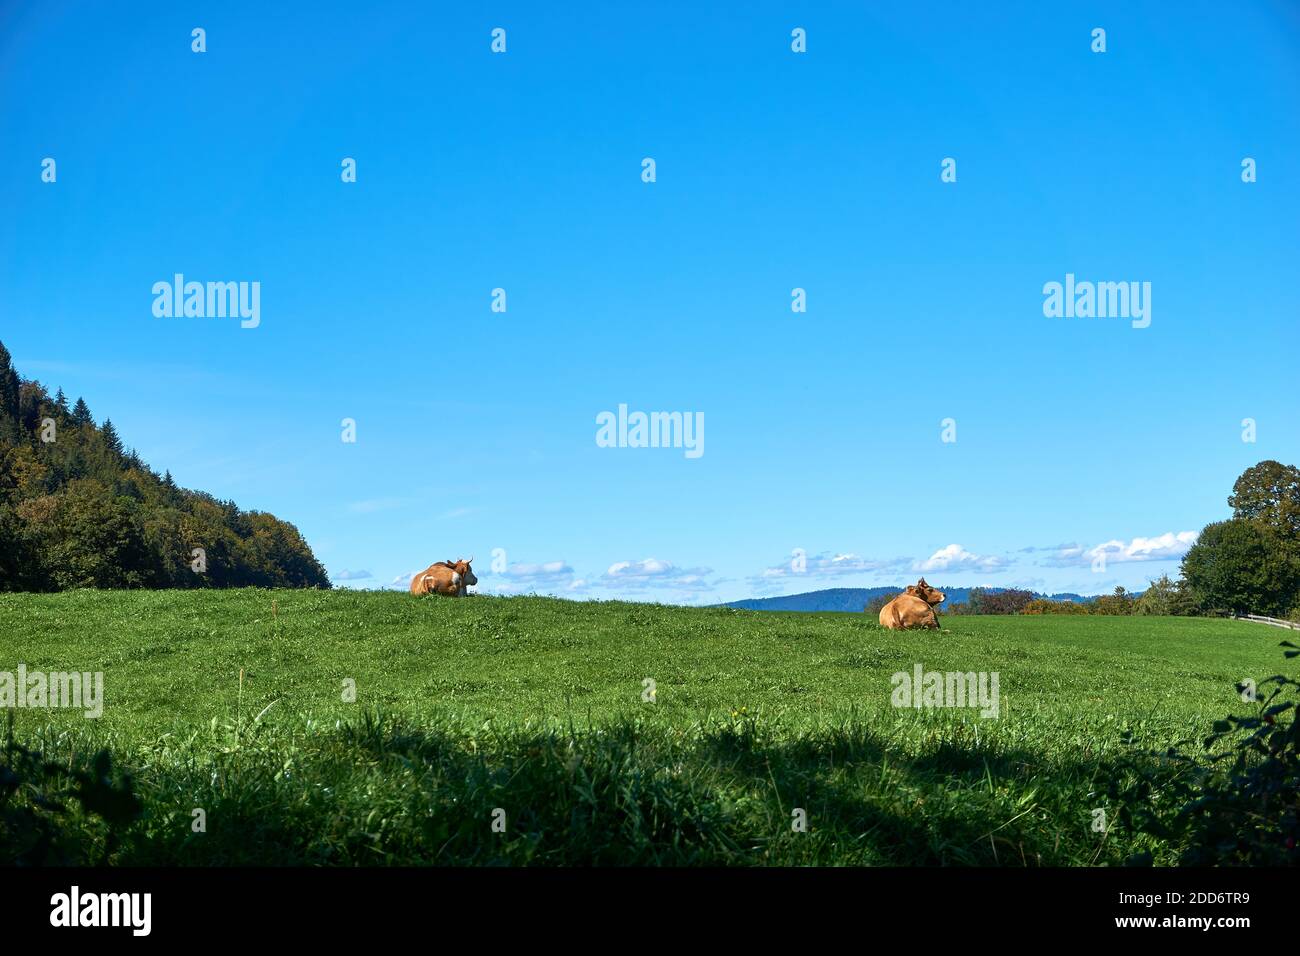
pixel 334 905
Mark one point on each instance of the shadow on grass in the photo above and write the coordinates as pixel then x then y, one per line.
pixel 627 793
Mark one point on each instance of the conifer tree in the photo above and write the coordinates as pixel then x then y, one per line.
pixel 8 384
pixel 111 441
pixel 81 413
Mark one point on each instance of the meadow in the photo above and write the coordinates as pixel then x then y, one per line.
pixel 336 727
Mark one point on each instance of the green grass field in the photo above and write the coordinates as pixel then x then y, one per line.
pixel 530 711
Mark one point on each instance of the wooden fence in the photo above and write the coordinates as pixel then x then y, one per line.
pixel 1267 620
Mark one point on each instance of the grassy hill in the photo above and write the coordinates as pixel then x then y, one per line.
pixel 534 707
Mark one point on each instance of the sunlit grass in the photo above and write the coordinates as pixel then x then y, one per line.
pixel 533 710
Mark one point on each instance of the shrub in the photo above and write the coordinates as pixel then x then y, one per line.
pixel 1047 606
pixel 1237 807
pixel 874 606
pixel 985 601
pixel 1121 602
pixel 38 824
pixel 1010 601
pixel 1160 598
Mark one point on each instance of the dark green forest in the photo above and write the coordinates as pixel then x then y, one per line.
pixel 78 509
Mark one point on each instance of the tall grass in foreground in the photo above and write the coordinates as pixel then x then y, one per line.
pixel 384 791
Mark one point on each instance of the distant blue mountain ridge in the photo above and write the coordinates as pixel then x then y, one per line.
pixel 852 600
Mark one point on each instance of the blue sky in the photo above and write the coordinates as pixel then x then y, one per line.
pixel 774 170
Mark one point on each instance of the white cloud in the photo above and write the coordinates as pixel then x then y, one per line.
pixel 830 565
pixel 346 575
pixel 650 567
pixel 814 570
pixel 523 578
pixel 1169 546
pixel 956 558
pixel 654 573
pixel 544 570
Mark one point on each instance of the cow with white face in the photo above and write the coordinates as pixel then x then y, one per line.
pixel 448 578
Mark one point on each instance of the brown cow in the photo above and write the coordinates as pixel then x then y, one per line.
pixel 448 578
pixel 915 607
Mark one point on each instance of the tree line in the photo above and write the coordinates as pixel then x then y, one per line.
pixel 78 509
pixel 1163 596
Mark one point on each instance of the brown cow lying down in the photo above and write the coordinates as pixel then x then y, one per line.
pixel 913 608
pixel 449 578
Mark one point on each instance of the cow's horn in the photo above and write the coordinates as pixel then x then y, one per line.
pixel 471 559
